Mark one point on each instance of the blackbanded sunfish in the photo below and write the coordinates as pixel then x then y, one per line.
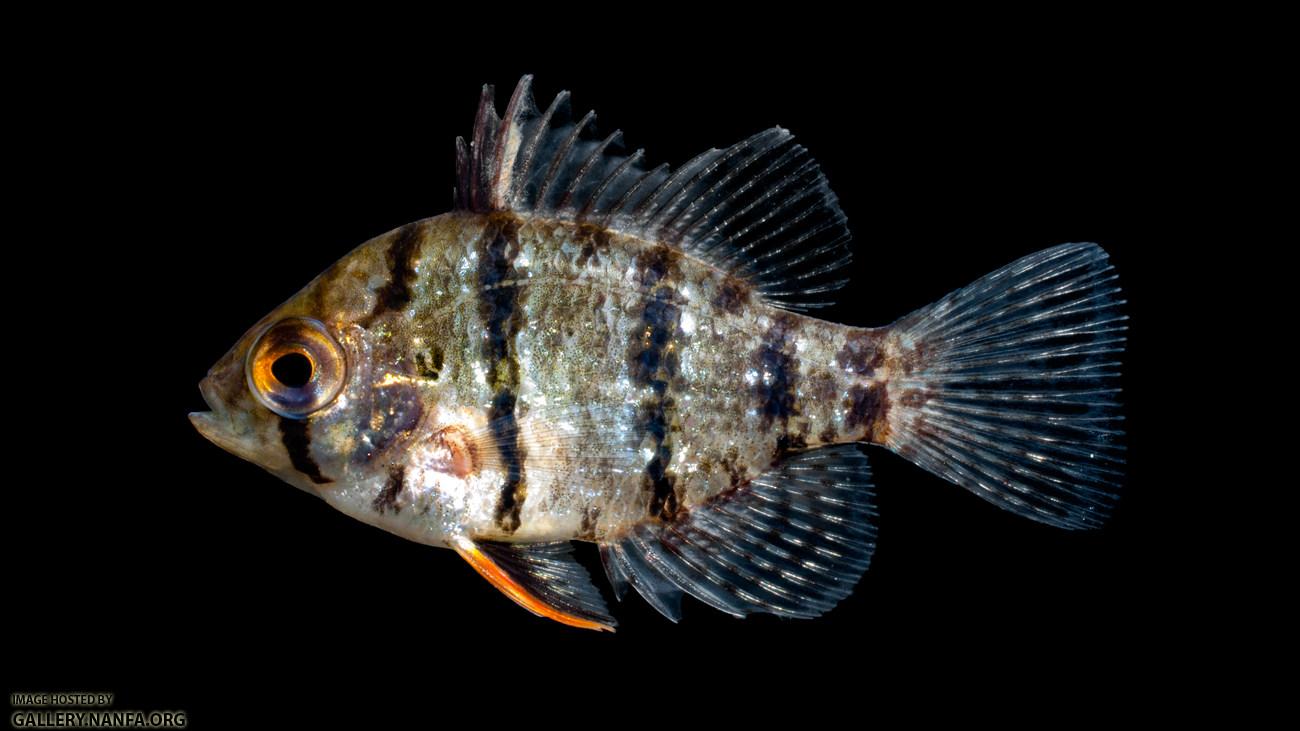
pixel 590 349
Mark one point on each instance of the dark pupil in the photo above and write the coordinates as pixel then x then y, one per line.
pixel 293 370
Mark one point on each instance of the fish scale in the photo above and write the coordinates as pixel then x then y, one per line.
pixel 592 349
pixel 608 319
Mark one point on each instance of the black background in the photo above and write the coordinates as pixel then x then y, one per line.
pixel 178 576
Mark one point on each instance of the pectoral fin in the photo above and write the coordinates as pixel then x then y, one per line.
pixel 540 577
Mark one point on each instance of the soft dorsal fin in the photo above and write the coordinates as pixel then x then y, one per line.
pixel 760 209
pixel 540 577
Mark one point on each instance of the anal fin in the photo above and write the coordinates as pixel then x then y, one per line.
pixel 791 542
pixel 540 577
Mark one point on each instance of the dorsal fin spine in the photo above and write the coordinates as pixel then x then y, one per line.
pixel 528 151
pixel 520 109
pixel 585 169
pixel 759 210
pixel 593 202
pixel 557 162
pixel 485 130
pixel 461 194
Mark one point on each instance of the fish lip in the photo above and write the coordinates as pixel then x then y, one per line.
pixel 213 401
pixel 215 425
pixel 217 432
pixel 223 435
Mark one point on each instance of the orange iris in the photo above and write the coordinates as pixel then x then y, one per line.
pixel 273 355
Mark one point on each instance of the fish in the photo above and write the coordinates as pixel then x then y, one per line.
pixel 588 348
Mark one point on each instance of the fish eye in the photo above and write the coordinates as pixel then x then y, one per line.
pixel 295 367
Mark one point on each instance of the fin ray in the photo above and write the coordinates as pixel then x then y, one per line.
pixel 649 582
pixel 540 577
pixel 1011 399
pixel 791 542
pixel 760 209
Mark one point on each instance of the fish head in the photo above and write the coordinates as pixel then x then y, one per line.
pixel 345 405
pixel 280 382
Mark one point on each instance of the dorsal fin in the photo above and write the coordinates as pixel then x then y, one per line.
pixel 760 209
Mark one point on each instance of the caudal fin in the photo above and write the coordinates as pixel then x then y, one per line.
pixel 1014 400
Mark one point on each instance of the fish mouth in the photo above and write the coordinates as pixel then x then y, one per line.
pixel 215 425
pixel 213 401
pixel 214 431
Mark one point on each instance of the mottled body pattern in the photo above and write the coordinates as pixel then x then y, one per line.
pixel 546 315
pixel 573 355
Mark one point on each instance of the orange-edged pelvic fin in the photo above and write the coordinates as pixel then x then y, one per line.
pixel 540 577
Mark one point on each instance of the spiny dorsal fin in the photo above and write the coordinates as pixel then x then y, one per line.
pixel 792 542
pixel 760 209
